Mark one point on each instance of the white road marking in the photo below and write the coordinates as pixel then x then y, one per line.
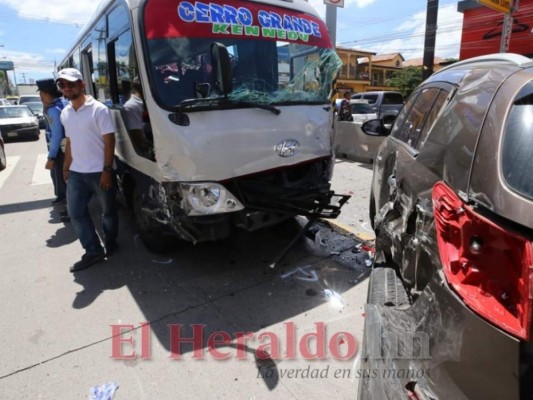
pixel 11 162
pixel 41 176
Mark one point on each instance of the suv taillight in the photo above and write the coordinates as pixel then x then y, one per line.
pixel 489 267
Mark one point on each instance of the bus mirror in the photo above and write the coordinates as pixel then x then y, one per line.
pixel 221 68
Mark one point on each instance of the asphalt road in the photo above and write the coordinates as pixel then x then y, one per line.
pixel 59 335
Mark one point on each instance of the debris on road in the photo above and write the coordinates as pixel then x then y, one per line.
pixel 105 391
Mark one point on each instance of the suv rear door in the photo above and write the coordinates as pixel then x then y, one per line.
pixel 406 175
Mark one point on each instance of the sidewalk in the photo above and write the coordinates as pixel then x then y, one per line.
pixel 353 178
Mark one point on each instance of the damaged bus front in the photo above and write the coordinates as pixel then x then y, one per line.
pixel 240 118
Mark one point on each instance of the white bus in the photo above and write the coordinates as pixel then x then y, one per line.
pixel 237 121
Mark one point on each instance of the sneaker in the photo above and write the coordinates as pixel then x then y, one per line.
pixel 86 261
pixel 111 247
pixel 58 201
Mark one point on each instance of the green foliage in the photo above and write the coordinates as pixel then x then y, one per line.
pixel 406 80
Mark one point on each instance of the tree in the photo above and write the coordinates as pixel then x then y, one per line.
pixel 406 80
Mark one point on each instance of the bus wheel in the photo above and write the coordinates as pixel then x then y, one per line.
pixel 156 237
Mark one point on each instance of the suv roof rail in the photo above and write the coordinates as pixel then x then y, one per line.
pixel 509 58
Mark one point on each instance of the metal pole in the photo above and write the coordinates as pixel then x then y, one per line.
pixel 430 38
pixel 508 28
pixel 331 23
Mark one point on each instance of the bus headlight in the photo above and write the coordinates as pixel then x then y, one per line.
pixel 207 198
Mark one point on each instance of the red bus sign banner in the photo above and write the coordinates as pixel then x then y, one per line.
pixel 236 19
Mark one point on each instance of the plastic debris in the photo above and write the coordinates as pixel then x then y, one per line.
pixel 105 391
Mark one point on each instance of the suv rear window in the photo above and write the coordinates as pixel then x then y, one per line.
pixel 517 162
pixel 392 98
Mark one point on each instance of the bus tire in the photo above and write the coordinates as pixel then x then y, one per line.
pixel 156 237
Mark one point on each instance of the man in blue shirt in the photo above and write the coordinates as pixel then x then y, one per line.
pixel 55 133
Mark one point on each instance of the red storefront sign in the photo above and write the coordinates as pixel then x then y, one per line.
pixel 482 31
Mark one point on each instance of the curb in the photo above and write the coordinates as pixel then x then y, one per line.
pixel 347 230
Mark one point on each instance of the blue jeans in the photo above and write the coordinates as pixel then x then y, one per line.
pixel 80 189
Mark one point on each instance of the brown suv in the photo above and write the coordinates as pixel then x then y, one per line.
pixel 451 291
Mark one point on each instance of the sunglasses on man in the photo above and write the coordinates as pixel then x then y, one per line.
pixel 66 84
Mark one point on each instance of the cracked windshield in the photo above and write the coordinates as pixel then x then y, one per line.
pixel 275 59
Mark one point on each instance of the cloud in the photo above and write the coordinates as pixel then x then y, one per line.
pixel 56 51
pixel 53 10
pixel 320 7
pixel 362 3
pixel 410 35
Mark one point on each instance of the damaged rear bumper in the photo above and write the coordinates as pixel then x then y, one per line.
pixel 426 351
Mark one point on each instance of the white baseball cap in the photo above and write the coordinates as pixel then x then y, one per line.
pixel 69 74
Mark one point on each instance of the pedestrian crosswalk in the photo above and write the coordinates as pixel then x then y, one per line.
pixel 41 176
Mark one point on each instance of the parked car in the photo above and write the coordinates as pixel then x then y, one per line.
pixel 386 104
pixel 3 160
pixel 4 102
pixel 36 108
pixel 450 293
pixel 18 121
pixel 349 141
pixel 26 98
pixel 13 100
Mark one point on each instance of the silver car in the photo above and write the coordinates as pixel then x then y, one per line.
pixel 18 122
pixel 450 296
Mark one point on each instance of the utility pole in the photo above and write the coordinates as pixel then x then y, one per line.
pixel 430 38
pixel 508 27
pixel 331 23
pixel 24 77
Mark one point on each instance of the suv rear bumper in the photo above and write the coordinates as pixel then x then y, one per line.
pixel 426 348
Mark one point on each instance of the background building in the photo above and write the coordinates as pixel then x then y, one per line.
pixel 482 29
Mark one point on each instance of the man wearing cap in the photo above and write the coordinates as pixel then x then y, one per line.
pixel 53 104
pixel 345 110
pixel 88 167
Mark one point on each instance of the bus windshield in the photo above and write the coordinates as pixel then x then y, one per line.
pixel 278 56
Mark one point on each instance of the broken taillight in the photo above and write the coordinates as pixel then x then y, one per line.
pixel 489 267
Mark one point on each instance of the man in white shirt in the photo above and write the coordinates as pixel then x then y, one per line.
pixel 88 167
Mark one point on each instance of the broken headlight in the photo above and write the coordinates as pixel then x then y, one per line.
pixel 207 198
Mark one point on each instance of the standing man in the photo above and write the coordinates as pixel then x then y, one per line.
pixel 345 110
pixel 88 167
pixel 53 104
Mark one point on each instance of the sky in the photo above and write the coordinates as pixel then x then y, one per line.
pixel 35 34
